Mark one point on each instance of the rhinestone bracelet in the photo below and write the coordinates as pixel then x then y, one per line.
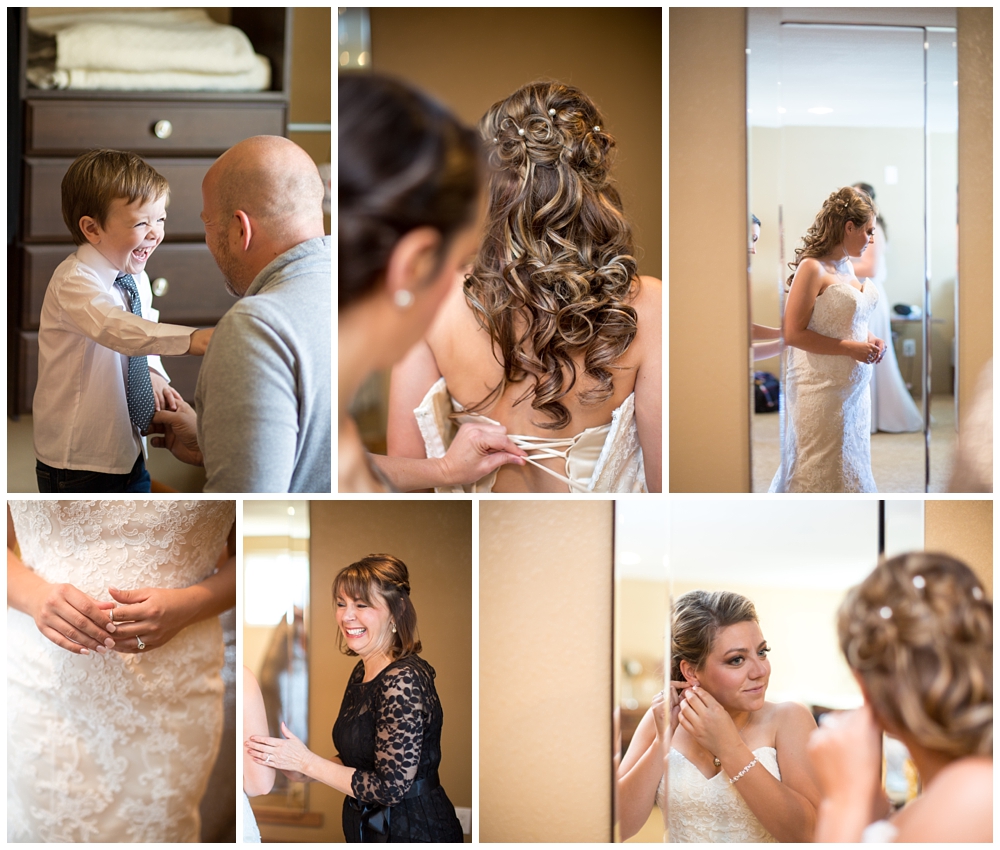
pixel 743 772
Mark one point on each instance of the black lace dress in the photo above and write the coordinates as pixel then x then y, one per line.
pixel 389 730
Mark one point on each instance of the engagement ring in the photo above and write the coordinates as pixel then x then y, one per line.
pixel 268 759
pixel 141 644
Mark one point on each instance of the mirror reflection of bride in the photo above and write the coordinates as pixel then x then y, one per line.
pixel 737 764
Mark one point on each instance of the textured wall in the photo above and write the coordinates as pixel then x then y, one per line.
pixel 545 605
pixel 709 330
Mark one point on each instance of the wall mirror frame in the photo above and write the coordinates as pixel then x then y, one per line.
pixel 276 618
pixel 836 97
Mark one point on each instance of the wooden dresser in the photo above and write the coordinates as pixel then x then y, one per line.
pixel 179 133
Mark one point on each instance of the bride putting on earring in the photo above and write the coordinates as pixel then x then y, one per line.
pixel 738 770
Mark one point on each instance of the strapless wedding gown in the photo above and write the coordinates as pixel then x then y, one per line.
pixel 117 747
pixel 893 408
pixel 604 459
pixel 251 832
pixel 713 810
pixel 826 439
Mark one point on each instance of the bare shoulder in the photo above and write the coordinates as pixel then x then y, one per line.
pixel 791 717
pixel 454 318
pixel 647 296
pixel 964 790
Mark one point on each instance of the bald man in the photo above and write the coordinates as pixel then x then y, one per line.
pixel 263 396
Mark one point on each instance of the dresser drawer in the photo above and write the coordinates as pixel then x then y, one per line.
pixel 183 372
pixel 73 126
pixel 195 292
pixel 43 221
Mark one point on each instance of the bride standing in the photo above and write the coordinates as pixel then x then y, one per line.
pixel 826 442
pixel 114 660
pixel 738 770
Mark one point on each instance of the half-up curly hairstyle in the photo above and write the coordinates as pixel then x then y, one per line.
pixel 403 162
pixel 919 632
pixel 385 577
pixel 695 620
pixel 827 231
pixel 557 266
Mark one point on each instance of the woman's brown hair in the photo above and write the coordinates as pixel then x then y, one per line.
pixel 919 632
pixel 403 161
pixel 827 231
pixel 695 620
pixel 556 269
pixel 387 577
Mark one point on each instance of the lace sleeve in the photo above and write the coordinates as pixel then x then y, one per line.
pixel 399 727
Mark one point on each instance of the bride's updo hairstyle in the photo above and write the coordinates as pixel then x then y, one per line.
pixel 827 231
pixel 695 621
pixel 919 633
pixel 403 162
pixel 385 577
pixel 557 263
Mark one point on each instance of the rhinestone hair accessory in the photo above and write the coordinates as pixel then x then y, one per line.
pixel 919 582
pixel 885 612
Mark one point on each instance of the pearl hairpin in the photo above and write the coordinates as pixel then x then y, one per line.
pixel 552 112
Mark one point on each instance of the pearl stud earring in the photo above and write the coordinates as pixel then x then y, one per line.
pixel 403 298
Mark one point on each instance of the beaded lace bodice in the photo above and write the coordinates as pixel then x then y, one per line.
pixel 712 810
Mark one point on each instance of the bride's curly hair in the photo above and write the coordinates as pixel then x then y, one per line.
pixel 919 632
pixel 827 231
pixel 557 263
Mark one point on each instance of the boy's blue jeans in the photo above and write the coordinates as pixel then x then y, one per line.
pixel 51 480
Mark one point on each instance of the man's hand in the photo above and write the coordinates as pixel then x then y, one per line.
pixel 199 341
pixel 180 433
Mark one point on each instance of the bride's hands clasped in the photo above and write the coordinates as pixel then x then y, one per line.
pixel 154 614
pixel 71 619
pixel 286 754
pixel 705 720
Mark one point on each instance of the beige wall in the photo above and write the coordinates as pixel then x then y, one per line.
pixel 709 331
pixel 975 205
pixel 545 605
pixel 964 530
pixel 434 539
pixel 471 58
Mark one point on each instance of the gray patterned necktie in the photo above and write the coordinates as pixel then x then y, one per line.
pixel 141 404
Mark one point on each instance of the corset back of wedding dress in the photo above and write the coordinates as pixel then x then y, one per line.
pixel 713 810
pixel 114 747
pixel 603 459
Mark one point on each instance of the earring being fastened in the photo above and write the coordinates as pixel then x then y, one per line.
pixel 716 760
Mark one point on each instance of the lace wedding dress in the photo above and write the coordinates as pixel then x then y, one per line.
pixel 117 747
pixel 826 441
pixel 603 459
pixel 712 810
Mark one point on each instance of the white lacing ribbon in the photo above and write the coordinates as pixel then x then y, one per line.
pixel 545 448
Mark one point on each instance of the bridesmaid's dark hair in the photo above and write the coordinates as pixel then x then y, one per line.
pixel 387 577
pixel 403 162
pixel 696 618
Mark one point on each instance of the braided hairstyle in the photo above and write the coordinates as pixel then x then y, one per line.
pixel 919 633
pixel 557 264
pixel 403 162
pixel 385 577
pixel 827 231
pixel 695 620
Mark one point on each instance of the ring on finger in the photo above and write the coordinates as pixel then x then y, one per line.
pixel 111 614
pixel 139 640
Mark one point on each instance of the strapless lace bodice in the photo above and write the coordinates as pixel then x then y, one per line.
pixel 712 810
pixel 603 459
pixel 114 747
pixel 826 435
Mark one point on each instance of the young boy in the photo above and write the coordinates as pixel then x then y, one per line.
pixel 94 400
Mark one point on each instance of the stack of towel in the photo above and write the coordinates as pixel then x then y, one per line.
pixel 169 49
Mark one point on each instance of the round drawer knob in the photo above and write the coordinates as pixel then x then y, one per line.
pixel 163 129
pixel 160 286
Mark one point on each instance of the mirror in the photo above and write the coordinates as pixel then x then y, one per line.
pixel 795 560
pixel 640 635
pixel 276 628
pixel 835 104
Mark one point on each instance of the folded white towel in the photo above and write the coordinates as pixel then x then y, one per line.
pixel 190 47
pixel 257 79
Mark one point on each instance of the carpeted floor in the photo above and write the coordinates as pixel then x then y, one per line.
pixel 897 459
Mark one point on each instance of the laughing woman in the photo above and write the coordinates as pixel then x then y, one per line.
pixel 388 734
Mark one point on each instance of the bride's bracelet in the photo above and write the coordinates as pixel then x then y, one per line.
pixel 743 772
